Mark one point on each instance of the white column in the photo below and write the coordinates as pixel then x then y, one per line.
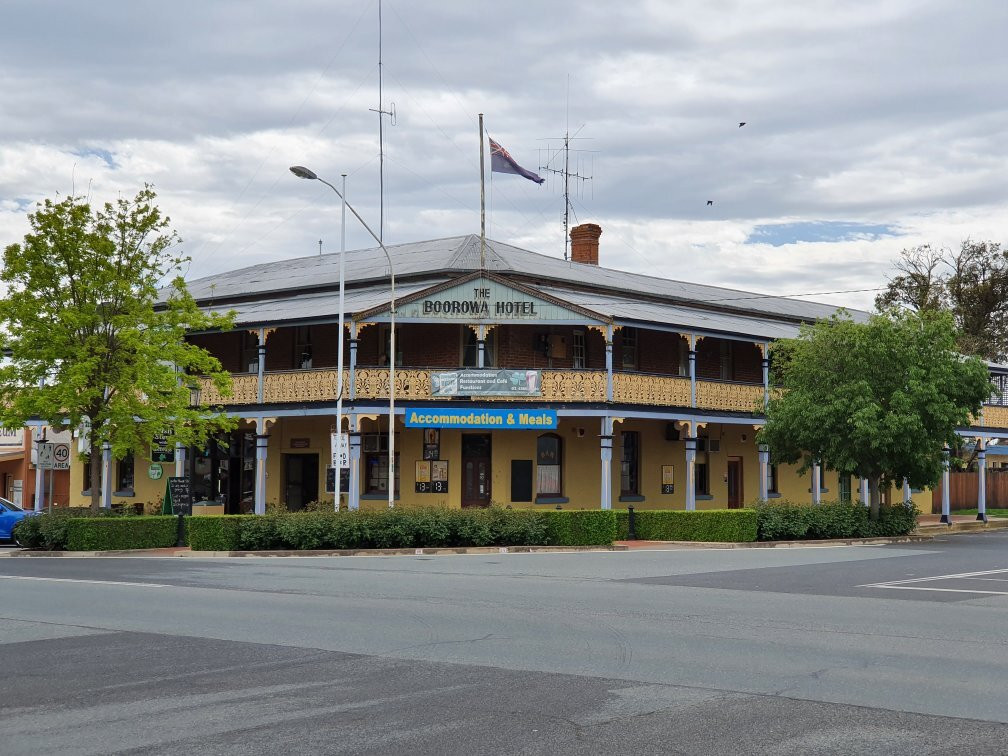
pixel 605 454
pixel 609 368
pixel 106 483
pixel 982 480
pixel 692 378
pixel 262 445
pixel 946 482
pixel 261 365
pixel 179 460
pixel 481 346
pixel 863 484
pixel 691 473
pixel 816 483
pixel 907 492
pixel 352 388
pixel 765 363
pixel 355 449
pixel 39 477
pixel 764 472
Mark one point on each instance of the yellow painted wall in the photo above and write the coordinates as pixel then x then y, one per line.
pixel 581 466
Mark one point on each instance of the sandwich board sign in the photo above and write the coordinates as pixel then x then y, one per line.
pixel 178 497
pixel 54 456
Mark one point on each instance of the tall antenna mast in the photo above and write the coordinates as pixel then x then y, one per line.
pixel 380 110
pixel 580 174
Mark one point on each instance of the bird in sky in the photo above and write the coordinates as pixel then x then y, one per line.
pixel 710 202
pixel 741 124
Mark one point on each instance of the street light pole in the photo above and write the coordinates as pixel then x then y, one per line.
pixel 301 172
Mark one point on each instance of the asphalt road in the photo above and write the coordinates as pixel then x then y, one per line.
pixel 883 649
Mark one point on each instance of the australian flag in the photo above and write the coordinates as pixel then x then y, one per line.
pixel 502 162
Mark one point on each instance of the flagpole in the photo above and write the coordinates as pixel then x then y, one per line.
pixel 482 201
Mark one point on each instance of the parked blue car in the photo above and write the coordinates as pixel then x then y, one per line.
pixel 10 515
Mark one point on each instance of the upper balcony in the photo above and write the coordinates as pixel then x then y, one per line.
pixel 561 386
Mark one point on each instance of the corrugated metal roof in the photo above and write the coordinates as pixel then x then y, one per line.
pixel 677 315
pixel 461 254
pixel 312 305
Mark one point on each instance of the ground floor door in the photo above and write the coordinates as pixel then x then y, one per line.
pixel 300 480
pixel 734 482
pixel 475 470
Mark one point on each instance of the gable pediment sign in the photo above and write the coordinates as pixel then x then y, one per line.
pixel 486 299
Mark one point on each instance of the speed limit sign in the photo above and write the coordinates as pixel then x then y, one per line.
pixel 54 456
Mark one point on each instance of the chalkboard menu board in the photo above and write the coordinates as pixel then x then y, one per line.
pixel 178 496
pixel 330 480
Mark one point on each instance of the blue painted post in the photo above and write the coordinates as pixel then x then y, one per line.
pixel 262 444
pixel 692 374
pixel 982 480
pixel 691 473
pixel 605 453
pixel 816 483
pixel 764 470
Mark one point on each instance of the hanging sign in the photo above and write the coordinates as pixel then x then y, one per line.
pixel 339 450
pixel 531 419
pixel 487 383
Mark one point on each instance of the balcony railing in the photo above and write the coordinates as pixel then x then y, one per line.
pixel 736 397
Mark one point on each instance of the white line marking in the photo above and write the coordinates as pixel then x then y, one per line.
pixel 942 590
pixel 953 576
pixel 75 580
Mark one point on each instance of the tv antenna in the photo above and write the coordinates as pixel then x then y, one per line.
pixel 380 110
pixel 582 173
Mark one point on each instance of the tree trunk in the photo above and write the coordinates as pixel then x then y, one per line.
pixel 874 496
pixel 95 463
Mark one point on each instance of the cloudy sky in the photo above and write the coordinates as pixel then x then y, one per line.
pixel 871 126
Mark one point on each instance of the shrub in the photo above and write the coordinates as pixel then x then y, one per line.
pixel 214 532
pixel 580 528
pixel 28 532
pixel 110 533
pixel 710 525
pixel 782 521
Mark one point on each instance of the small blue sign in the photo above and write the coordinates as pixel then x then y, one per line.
pixel 530 419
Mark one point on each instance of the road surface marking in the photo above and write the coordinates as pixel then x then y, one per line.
pixel 905 585
pixel 77 580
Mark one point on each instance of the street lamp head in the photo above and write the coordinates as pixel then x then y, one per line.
pixel 301 172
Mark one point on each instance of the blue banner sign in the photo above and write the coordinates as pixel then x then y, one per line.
pixel 429 417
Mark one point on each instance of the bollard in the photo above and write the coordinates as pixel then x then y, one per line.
pixel 631 524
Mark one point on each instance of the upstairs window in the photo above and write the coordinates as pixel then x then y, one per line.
pixel 578 351
pixel 470 349
pixel 303 347
pixel 629 348
pixel 250 352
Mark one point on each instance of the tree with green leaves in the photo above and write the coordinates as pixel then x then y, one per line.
pixel 971 283
pixel 94 320
pixel 878 400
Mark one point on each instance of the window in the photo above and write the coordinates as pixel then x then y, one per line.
pixel 772 479
pixel 578 352
pixel 630 463
pixel 702 474
pixel 727 361
pixel 629 348
pixel 683 357
pixel 384 341
pixel 303 347
pixel 124 476
pixel 250 352
pixel 470 349
pixel 844 485
pixel 549 463
pixel 376 464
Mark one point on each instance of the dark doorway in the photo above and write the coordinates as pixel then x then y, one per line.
pixel 476 470
pixel 734 482
pixel 300 480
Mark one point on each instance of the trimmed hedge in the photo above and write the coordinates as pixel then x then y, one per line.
pixel 709 525
pixel 48 530
pixel 401 528
pixel 113 533
pixel 786 521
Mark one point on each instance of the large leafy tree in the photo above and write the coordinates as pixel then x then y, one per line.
pixel 877 400
pixel 971 283
pixel 94 319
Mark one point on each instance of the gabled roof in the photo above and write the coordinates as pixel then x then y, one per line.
pixel 440 259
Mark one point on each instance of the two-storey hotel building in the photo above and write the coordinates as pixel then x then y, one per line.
pixel 521 380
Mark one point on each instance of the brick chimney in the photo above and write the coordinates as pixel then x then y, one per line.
pixel 584 243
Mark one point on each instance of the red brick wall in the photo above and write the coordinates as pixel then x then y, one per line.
pixel 226 347
pixel 658 352
pixel 746 360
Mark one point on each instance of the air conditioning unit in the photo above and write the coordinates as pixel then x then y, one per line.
pixel 671 432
